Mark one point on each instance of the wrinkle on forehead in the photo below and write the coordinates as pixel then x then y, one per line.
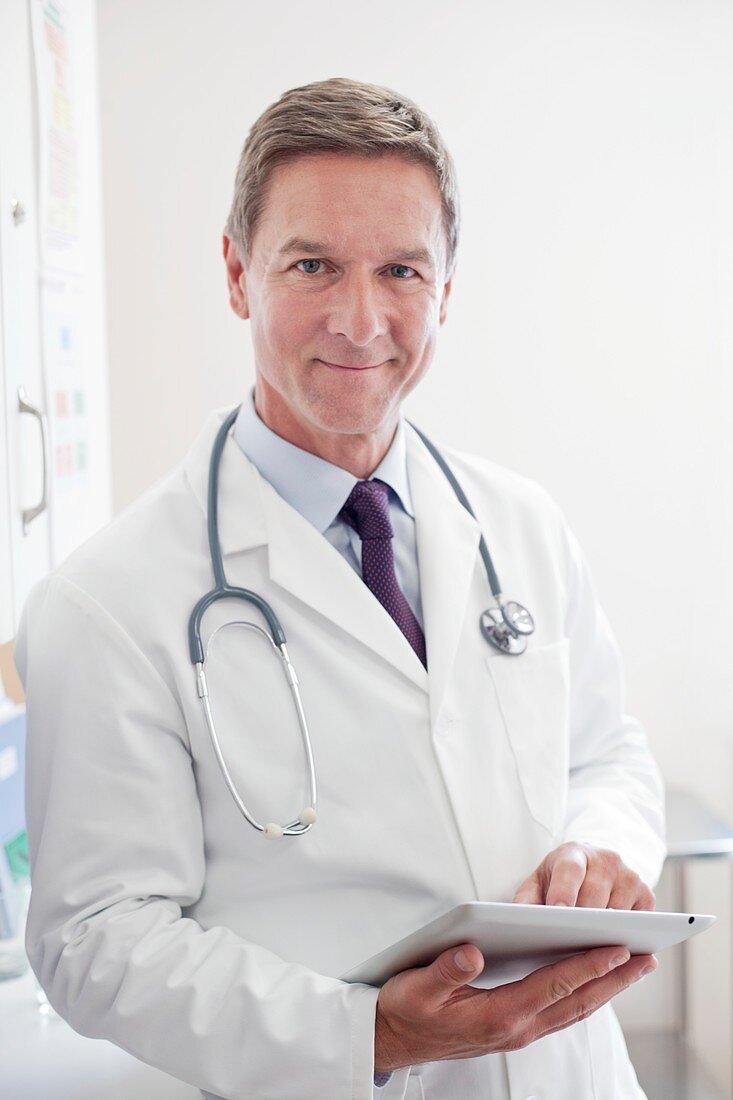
pixel 334 199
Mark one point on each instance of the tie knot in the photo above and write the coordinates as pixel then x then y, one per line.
pixel 367 510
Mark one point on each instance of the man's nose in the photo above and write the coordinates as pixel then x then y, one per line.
pixel 357 310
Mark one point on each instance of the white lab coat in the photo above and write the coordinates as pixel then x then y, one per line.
pixel 162 921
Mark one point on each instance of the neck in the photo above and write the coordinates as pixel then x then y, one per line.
pixel 358 453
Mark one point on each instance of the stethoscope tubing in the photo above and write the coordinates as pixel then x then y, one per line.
pixel 496 623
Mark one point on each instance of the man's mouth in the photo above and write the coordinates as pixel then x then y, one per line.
pixel 342 366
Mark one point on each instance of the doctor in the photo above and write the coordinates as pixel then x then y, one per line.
pixel 447 771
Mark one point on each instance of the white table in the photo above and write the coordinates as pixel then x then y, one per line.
pixel 42 1058
pixel 666 1066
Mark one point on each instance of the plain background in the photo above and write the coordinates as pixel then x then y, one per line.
pixel 589 336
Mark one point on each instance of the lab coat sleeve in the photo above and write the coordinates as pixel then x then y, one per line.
pixel 616 797
pixel 116 846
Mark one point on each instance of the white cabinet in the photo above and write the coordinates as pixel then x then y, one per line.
pixel 25 555
pixel 54 438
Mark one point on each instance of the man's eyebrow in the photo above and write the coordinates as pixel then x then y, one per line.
pixel 319 248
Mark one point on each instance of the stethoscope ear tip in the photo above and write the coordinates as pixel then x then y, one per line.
pixel 273 831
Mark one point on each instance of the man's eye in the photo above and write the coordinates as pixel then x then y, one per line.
pixel 401 269
pixel 312 267
pixel 309 270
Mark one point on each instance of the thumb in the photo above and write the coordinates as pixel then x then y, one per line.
pixel 455 967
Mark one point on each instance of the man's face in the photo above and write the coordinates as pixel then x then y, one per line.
pixel 345 287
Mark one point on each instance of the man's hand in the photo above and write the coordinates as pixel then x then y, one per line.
pixel 431 1014
pixel 579 874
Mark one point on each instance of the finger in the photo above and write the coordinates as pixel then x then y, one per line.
pixel 596 889
pixel 530 892
pixel 627 890
pixel 567 877
pixel 452 969
pixel 589 998
pixel 646 900
pixel 550 984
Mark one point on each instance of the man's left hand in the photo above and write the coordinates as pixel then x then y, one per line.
pixel 579 874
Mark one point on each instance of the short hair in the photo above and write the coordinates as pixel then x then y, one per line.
pixel 338 115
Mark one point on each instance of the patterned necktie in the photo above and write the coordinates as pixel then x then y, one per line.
pixel 367 511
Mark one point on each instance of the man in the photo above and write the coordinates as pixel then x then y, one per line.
pixel 447 770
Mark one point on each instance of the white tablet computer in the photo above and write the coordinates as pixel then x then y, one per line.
pixel 517 939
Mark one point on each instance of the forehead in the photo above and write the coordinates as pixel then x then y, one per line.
pixel 347 199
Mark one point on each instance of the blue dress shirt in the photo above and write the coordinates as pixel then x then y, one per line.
pixel 318 490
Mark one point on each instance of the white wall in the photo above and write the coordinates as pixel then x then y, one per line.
pixel 589 337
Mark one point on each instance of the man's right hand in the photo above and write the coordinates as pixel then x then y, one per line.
pixel 431 1014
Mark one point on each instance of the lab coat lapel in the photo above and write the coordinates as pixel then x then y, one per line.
pixel 300 560
pixel 241 520
pixel 447 551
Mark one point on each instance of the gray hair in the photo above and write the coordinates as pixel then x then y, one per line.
pixel 338 115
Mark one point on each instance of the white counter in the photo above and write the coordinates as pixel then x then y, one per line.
pixel 41 1058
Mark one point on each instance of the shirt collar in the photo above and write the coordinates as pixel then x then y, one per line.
pixel 314 487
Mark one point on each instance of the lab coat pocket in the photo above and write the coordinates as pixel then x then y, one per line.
pixel 533 695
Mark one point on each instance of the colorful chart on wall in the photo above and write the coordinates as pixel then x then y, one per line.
pixel 59 59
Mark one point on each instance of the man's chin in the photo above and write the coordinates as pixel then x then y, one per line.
pixel 348 422
pixel 351 414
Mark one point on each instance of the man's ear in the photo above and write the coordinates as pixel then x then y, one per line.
pixel 236 279
pixel 444 300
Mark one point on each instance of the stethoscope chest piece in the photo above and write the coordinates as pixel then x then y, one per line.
pixel 506 626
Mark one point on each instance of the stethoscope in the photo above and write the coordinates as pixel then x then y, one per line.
pixel 506 626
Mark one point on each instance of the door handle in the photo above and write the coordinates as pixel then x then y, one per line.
pixel 24 406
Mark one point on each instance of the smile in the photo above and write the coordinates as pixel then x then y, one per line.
pixel 338 366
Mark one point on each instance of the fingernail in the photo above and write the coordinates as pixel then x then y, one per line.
pixel 649 969
pixel 462 962
pixel 619 960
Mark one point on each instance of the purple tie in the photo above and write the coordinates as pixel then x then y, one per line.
pixel 367 511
